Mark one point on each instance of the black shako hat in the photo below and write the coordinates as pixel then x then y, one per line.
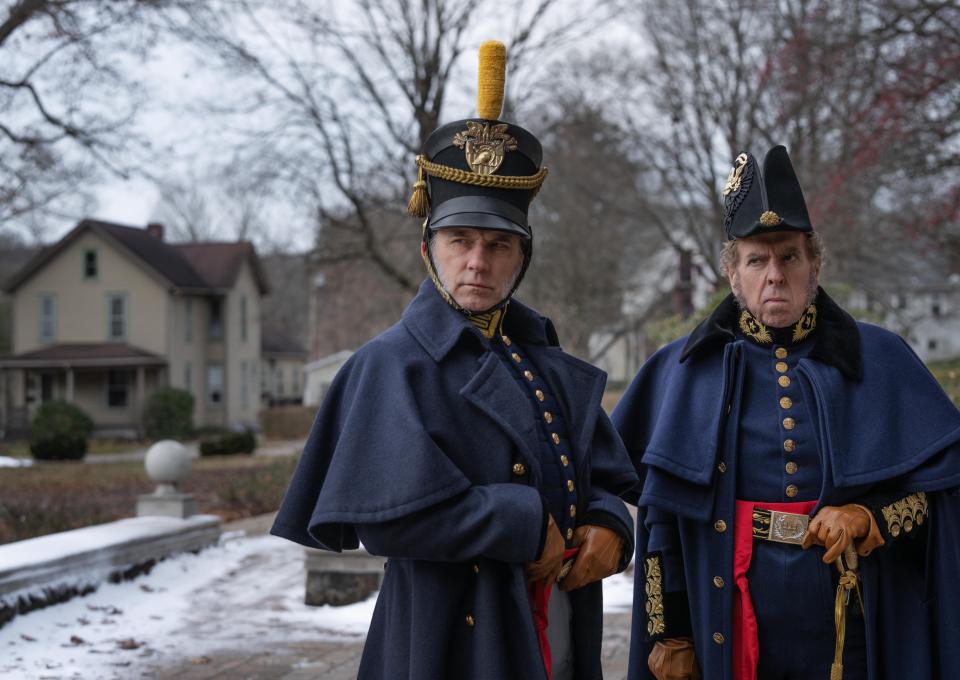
pixel 480 172
pixel 759 204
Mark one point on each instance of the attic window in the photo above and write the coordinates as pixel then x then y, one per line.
pixel 90 264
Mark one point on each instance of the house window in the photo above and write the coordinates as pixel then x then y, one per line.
pixel 215 330
pixel 188 377
pixel 116 316
pixel 90 264
pixel 243 318
pixel 279 382
pixel 935 309
pixel 188 320
pixel 931 344
pixel 296 380
pixel 215 384
pixel 48 317
pixel 118 388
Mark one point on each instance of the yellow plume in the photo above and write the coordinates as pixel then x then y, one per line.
pixel 492 74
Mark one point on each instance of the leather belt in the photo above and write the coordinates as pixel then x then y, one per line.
pixel 780 527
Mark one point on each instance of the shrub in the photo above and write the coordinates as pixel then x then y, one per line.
pixel 228 442
pixel 169 414
pixel 60 432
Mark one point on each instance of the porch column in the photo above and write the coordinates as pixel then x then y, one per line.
pixel 141 389
pixel 69 395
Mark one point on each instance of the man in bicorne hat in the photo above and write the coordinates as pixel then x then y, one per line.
pixel 465 446
pixel 799 469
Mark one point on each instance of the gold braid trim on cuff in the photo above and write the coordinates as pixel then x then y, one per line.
pixel 419 203
pixel 906 513
pixel 653 588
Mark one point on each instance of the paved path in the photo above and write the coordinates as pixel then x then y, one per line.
pixel 311 660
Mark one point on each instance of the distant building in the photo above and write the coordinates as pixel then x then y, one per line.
pixel 282 369
pixel 320 374
pixel 927 315
pixel 109 313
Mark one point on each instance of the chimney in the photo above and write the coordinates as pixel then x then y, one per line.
pixel 155 229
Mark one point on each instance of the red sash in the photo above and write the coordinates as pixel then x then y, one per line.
pixel 540 602
pixel 746 643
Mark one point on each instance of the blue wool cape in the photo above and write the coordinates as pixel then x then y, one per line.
pixel 882 420
pixel 412 453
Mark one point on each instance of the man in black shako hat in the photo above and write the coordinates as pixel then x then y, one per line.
pixel 799 507
pixel 465 446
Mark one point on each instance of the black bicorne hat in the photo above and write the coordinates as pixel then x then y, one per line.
pixel 480 172
pixel 759 204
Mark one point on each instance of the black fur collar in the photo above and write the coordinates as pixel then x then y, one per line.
pixel 836 340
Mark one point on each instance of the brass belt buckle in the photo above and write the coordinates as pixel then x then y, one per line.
pixel 788 527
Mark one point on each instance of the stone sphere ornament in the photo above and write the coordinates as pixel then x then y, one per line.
pixel 167 462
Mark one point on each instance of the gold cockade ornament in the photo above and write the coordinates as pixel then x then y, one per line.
pixel 484 145
pixel 770 219
pixel 736 175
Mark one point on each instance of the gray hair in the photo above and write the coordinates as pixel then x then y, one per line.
pixel 729 255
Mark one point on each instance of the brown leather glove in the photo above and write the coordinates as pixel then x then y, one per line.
pixel 836 527
pixel 674 659
pixel 599 556
pixel 547 567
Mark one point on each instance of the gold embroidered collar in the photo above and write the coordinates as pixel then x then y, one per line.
pixel 762 335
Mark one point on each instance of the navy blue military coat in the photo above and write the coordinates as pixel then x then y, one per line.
pixel 412 452
pixel 882 421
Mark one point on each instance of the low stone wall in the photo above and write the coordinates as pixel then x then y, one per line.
pixel 49 569
pixel 341 578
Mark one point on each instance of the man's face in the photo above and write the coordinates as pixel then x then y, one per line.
pixel 477 266
pixel 774 277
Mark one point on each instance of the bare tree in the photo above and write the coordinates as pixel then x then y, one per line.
pixel 66 103
pixel 352 90
pixel 863 92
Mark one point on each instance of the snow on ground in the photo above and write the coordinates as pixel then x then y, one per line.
pixel 246 591
pixel 7 461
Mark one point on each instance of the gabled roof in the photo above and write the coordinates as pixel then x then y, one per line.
pixel 201 267
pixel 84 354
pixel 274 342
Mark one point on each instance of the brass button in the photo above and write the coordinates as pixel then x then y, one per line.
pixel 784 381
pixel 570 485
pixel 564 460
pixel 506 340
pixel 528 375
pixel 470 621
pixel 476 569
pixel 573 510
pixel 539 394
pixel 519 469
pixel 555 437
pixel 718 638
pixel 789 445
pixel 718 582
pixel 791 468
pixel 781 367
pixel 789 423
pixel 720 526
pixel 548 417
pixel 781 353
pixel 792 490
pixel 722 466
pixel 786 402
pixel 569 534
pixel 515 357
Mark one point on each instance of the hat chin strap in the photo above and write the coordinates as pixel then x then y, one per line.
pixel 489 320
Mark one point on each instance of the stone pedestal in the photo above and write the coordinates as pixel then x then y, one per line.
pixel 341 578
pixel 180 505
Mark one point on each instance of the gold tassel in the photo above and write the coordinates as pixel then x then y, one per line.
pixel 491 77
pixel 848 582
pixel 419 201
